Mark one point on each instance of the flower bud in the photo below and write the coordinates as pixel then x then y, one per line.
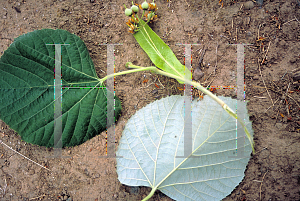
pixel 128 12
pixel 145 5
pixel 134 8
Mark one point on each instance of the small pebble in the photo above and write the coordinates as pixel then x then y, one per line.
pixel 248 5
pixel 77 8
pixel 17 8
pixel 198 74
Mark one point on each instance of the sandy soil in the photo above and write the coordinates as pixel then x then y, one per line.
pixel 272 173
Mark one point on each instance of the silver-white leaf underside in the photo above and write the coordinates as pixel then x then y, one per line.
pixel 154 138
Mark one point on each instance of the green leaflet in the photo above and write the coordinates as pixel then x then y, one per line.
pixel 154 136
pixel 27 89
pixel 158 51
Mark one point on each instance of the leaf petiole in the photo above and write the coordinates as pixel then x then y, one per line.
pixel 127 72
pixel 192 83
pixel 150 194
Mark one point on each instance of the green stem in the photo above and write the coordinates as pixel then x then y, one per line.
pixel 150 194
pixel 127 72
pixel 204 90
pixel 197 85
pixel 186 81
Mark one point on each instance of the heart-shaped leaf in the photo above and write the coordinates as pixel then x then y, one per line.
pixel 27 89
pixel 154 137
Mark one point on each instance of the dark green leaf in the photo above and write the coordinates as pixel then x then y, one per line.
pixel 27 89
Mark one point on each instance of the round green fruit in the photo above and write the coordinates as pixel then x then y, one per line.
pixel 134 8
pixel 128 12
pixel 145 5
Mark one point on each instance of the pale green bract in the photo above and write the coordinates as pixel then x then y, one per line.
pixel 153 137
